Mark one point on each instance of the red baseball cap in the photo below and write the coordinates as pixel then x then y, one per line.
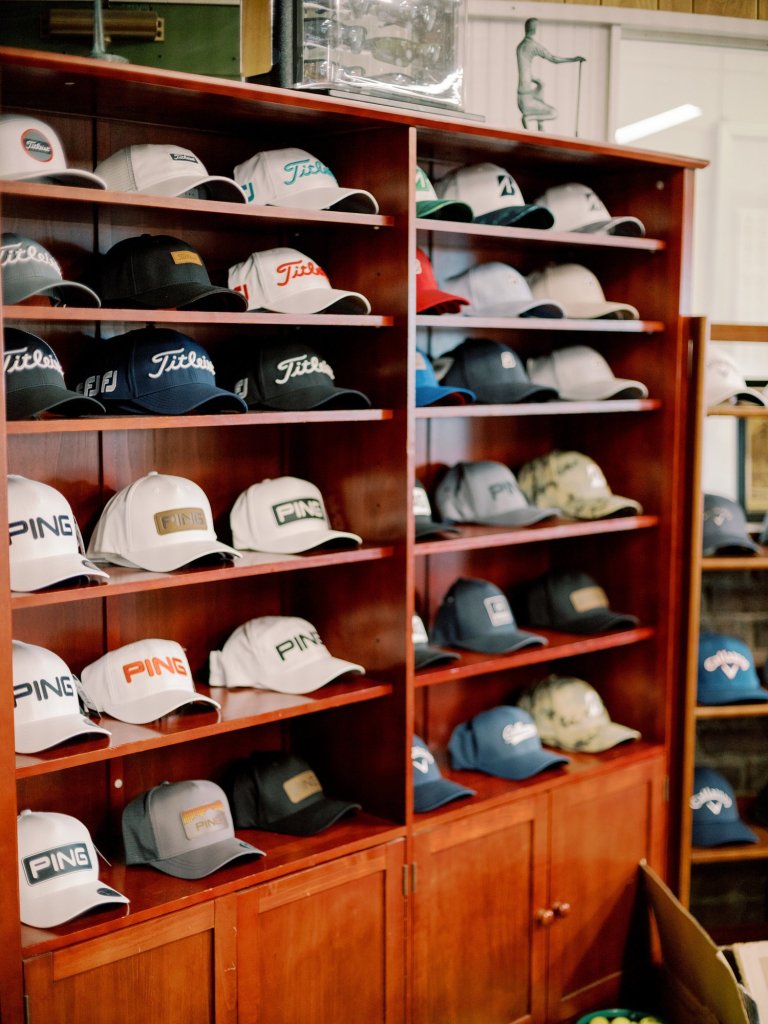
pixel 430 298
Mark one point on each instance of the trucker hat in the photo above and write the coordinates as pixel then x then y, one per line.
pixel 492 371
pixel 293 177
pixel 487 493
pixel 724 382
pixel 725 528
pixel 28 269
pixel 284 280
pixel 429 297
pixel 494 196
pixel 286 515
pixel 572 601
pixel 429 205
pixel 430 789
pixel 46 707
pixel 475 615
pixel 716 819
pixel 165 170
pixel 574 483
pixel 184 829
pixel 726 671
pixel 161 272
pixel 569 713
pixel 159 522
pixel 34 380
pixel 424 653
pixel 496 289
pixel 58 870
pixel 142 681
pixel 30 150
pixel 45 543
pixel 426 526
pixel 576 207
pixel 582 374
pixel 279 792
pixel 430 392
pixel 578 292
pixel 501 741
pixel 277 652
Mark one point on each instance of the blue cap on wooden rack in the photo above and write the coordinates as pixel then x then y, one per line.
pixel 716 820
pixel 502 741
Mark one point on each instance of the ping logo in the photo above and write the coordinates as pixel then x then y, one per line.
pixel 507 186
pixel 711 798
pixel 37 145
pixel 297 644
pixel 156 666
pixel 44 689
pixel 286 512
pixel 99 384
pixel 502 487
pixel 61 860
pixel 200 821
pixel 498 610
pixel 180 520
pixel 518 732
pixel 38 528
pixel 730 663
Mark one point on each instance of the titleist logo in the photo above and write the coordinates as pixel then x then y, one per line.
pixel 298 366
pixel 16 360
pixel 177 359
pixel 296 169
pixel 26 252
pixel 292 270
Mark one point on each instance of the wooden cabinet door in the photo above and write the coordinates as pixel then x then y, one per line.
pixel 478 949
pixel 325 945
pixel 601 828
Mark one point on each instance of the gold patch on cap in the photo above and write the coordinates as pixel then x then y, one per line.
pixel 186 256
pixel 178 520
pixel 586 598
pixel 301 786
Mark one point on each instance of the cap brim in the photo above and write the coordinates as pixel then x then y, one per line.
pixel 719 833
pixel 49 398
pixel 501 642
pixel 149 709
pixel 308 679
pixel 82 179
pixel 318 300
pixel 306 541
pixel 523 767
pixel 751 395
pixel 427 796
pixel 602 508
pixel 67 292
pixel 601 311
pixel 184 296
pixel 312 819
pixel 219 188
pixel 599 620
pixel 57 908
pixel 47 572
pixel 599 390
pixel 187 398
pixel 545 308
pixel 316 397
pixel 444 209
pixel 435 393
pixel 610 735
pixel 32 737
pixel 510 394
pixel 349 200
pixel 732 543
pixel 207 859
pixel 172 557
pixel 427 527
pixel 717 695
pixel 434 298
pixel 527 216
pixel 628 226
pixel 518 517
pixel 426 654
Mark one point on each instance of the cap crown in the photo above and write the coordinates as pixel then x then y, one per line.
pixel 501 741
pixel 44 688
pixel 724 381
pixel 424 188
pixel 726 670
pixel 713 800
pixel 274 177
pixel 493 289
pixel 31 150
pixel 173 819
pixel 477 491
pixel 581 372
pixel 574 206
pixel 135 673
pixel 161 169
pixel 268 278
pixel 486 187
pixel 725 526
pixel 568 711
pixel 41 835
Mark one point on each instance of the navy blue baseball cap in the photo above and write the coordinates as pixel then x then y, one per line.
pixel 725 528
pixel 430 789
pixel 573 602
pixel 716 820
pixel 503 741
pixel 492 370
pixel 476 616
pixel 429 392
pixel 726 672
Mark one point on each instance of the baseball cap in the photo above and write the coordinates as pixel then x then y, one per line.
pixel 45 543
pixel 284 280
pixel 501 741
pixel 496 289
pixel 429 205
pixel 430 392
pixel 572 601
pixel 492 370
pixel 28 269
pixel 425 653
pixel 279 792
pixel 578 292
pixel 293 177
pixel 277 652
pixel 46 708
pixel 58 870
pixel 426 526
pixel 159 522
pixel 430 298
pixel 724 382
pixel 476 616
pixel 580 373
pixel 576 207
pixel 155 370
pixel 34 380
pixel 569 713
pixel 726 671
pixel 165 170
pixel 142 681
pixel 31 150
pixel 285 516
pixel 430 789
pixel 574 483
pixel 289 375
pixel 161 272
pixel 716 819
pixel 725 528
pixel 184 829
pixel 486 492
pixel 494 196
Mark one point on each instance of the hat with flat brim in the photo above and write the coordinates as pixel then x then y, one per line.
pixel 629 227
pixel 601 311
pixel 527 216
pixel 444 209
pixel 322 300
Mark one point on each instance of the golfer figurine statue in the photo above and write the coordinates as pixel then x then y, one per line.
pixel 529 99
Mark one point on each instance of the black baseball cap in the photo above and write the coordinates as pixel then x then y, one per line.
pixel 572 601
pixel 493 371
pixel 162 272
pixel 476 616
pixel 28 269
pixel 725 528
pixel 34 380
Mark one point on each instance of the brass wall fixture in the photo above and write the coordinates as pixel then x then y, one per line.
pixel 117 24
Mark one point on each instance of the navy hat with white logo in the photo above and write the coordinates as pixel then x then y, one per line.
pixel 502 741
pixel 34 380
pixel 486 492
pixel 572 601
pixel 726 672
pixel 725 528
pixel 425 653
pixel 716 820
pixel 430 789
pixel 492 371
pixel 476 616
pixel 28 269
pixel 430 392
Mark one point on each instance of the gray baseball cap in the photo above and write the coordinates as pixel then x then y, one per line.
pixel 486 493
pixel 29 269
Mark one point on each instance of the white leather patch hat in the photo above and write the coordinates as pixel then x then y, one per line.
pixel 582 374
pixel 570 714
pixel 578 292
pixel 30 150
pixel 165 170
pixel 293 177
pixel 577 207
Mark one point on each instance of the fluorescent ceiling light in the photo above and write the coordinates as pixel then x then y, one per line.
pixel 657 123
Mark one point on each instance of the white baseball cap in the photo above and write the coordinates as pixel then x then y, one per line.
pixel 580 373
pixel 579 293
pixel 58 870
pixel 284 280
pixel 493 195
pixel 45 542
pixel 293 177
pixel 277 652
pixel 31 150
pixel 569 713
pixel 46 709
pixel 575 484
pixel 496 289
pixel 141 682
pixel 576 207
pixel 165 170
pixel 159 522
pixel 724 382
pixel 285 515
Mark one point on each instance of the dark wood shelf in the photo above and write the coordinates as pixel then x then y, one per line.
pixel 58 425
pixel 77 314
pixel 621 405
pixel 547 236
pixel 536 323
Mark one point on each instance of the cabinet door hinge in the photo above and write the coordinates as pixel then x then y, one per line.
pixel 409 879
pixel 26 1009
pixel 405 879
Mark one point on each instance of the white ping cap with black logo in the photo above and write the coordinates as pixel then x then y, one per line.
pixel 165 170
pixel 31 150
pixel 577 207
pixel 293 177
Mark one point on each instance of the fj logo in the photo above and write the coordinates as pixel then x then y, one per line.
pixel 99 384
pixel 61 860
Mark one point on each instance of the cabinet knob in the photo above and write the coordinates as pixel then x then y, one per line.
pixel 545 916
pixel 561 908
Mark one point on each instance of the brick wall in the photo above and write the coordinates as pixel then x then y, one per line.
pixel 726 8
